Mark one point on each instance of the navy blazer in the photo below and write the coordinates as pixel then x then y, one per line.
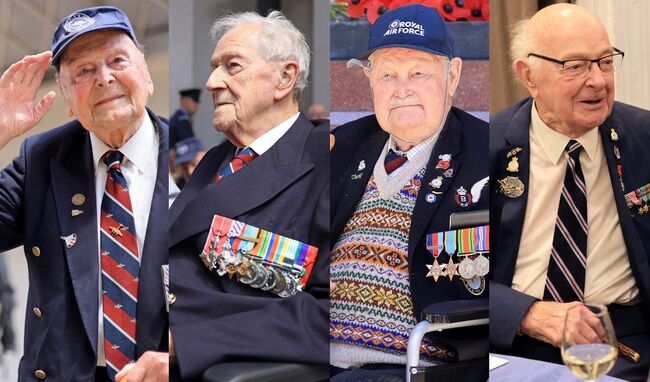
pixel 35 211
pixel 285 191
pixel 180 127
pixel 465 138
pixel 510 129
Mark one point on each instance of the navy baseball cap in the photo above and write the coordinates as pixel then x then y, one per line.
pixel 412 26
pixel 186 150
pixel 88 20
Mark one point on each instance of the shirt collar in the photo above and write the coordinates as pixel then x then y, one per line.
pixel 136 149
pixel 268 139
pixel 417 149
pixel 553 142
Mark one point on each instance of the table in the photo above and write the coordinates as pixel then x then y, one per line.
pixel 529 370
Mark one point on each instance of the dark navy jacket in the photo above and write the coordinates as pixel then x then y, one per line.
pixel 465 138
pixel 35 211
pixel 285 191
pixel 180 127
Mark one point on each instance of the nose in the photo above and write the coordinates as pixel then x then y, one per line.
pixel 595 77
pixel 104 76
pixel 403 89
pixel 215 80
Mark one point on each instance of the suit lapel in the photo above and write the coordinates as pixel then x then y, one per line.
pixel 513 210
pixel 250 187
pixel 423 213
pixel 75 175
pixel 356 180
pixel 155 252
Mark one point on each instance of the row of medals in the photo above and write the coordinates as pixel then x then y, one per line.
pixel 250 270
pixel 471 271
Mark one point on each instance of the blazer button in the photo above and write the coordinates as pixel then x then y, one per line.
pixel 37 313
pixel 36 251
pixel 40 374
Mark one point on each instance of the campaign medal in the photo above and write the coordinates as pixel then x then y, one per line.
pixel 463 198
pixel 481 246
pixel 465 244
pixel 511 187
pixel 481 265
pixel 475 285
pixel 435 245
pixel 451 268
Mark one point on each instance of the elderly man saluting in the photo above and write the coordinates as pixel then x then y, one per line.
pixel 570 202
pixel 88 202
pixel 397 176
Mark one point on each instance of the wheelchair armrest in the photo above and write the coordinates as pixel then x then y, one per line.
pixel 448 312
pixel 265 372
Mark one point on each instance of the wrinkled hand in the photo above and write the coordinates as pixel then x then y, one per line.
pixel 151 367
pixel 19 85
pixel 545 321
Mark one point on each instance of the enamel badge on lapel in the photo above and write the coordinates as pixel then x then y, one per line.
pixel 443 162
pixel 361 167
pixel 76 212
pixel 511 186
pixel 69 240
pixel 435 184
pixel 448 173
pixel 613 135
pixel 463 198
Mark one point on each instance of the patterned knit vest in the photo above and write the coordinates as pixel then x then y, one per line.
pixel 371 312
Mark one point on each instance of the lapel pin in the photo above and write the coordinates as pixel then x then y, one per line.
pixel 513 165
pixel 613 134
pixel 462 198
pixel 362 165
pixel 69 240
pixel 443 163
pixel 617 152
pixel 436 183
pixel 78 199
pixel 448 173
pixel 511 187
pixel 76 212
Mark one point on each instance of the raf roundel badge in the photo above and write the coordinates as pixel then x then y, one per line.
pixel 430 198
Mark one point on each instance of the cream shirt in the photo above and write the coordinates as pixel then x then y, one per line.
pixel 608 277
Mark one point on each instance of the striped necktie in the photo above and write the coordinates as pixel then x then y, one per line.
pixel 565 280
pixel 393 161
pixel 120 268
pixel 241 159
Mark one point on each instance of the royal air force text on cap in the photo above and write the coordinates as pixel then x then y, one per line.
pixel 408 27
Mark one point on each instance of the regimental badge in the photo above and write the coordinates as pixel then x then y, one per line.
pixel 436 183
pixel 511 187
pixel 463 198
pixel 513 165
pixel 613 135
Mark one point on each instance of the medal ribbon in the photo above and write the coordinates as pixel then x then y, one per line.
pixel 435 243
pixel 450 242
pixel 481 235
pixel 465 240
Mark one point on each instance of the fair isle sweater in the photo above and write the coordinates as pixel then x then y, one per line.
pixel 371 312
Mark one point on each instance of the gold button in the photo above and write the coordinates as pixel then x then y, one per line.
pixel 37 312
pixel 36 251
pixel 40 374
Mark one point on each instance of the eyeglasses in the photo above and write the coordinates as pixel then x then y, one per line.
pixel 580 67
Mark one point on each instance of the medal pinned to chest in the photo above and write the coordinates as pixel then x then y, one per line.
pixel 256 257
pixel 468 245
pixel 511 186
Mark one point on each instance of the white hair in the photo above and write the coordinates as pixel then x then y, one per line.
pixel 522 43
pixel 279 40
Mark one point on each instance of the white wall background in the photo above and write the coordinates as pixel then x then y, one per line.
pixel 629 30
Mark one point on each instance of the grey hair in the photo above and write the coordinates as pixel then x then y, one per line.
pixel 522 42
pixel 446 62
pixel 279 40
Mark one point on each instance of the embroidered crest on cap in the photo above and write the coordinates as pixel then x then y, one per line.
pixel 77 22
pixel 408 27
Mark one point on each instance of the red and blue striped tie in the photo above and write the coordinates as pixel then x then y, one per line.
pixel 565 279
pixel 120 268
pixel 393 161
pixel 241 159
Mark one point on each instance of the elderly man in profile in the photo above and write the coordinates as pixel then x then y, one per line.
pixel 270 176
pixel 570 201
pixel 397 176
pixel 88 202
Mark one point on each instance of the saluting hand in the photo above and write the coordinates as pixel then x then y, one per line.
pixel 19 84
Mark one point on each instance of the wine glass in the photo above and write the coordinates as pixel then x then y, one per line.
pixel 589 343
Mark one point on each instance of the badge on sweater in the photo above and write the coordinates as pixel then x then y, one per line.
pixel 257 257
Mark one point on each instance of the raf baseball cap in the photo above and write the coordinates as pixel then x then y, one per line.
pixel 88 20
pixel 413 26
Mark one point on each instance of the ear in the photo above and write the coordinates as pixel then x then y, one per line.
pixel 455 68
pixel 526 76
pixel 64 93
pixel 288 75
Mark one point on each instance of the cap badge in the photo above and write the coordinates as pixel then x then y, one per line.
pixel 77 22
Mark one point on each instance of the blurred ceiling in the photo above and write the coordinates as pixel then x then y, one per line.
pixel 26 26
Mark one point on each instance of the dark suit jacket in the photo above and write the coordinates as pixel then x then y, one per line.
pixel 509 129
pixel 285 191
pixel 465 138
pixel 35 211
